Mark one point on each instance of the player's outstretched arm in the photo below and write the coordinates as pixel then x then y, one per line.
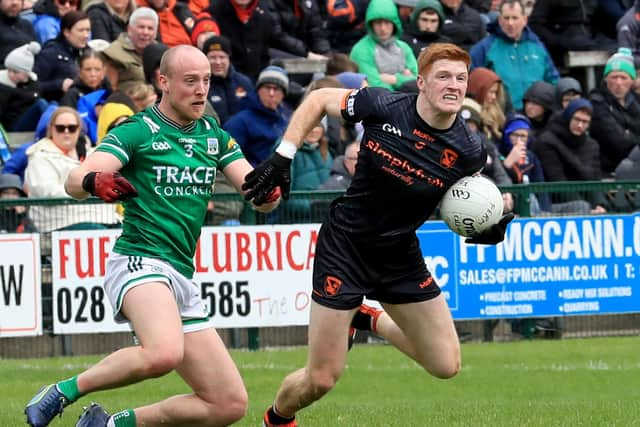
pixel 98 175
pixel 236 172
pixel 276 170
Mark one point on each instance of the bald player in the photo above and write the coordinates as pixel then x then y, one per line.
pixel 161 163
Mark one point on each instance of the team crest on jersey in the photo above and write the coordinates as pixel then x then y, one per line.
pixel 448 158
pixel 231 144
pixel 332 286
pixel 212 145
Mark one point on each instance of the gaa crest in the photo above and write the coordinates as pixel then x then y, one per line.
pixel 212 145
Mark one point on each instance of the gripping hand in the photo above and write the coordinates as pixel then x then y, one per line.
pixel 260 182
pixel 493 235
pixel 109 186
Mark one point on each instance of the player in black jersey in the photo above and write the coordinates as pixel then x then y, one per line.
pixel 414 147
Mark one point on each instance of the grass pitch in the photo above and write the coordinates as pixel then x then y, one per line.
pixel 588 382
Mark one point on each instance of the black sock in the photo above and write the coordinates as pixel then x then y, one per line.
pixel 275 418
pixel 361 321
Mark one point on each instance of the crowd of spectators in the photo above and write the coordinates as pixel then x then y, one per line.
pixel 99 60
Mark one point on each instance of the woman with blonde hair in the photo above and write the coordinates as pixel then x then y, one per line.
pixel 487 89
pixel 50 160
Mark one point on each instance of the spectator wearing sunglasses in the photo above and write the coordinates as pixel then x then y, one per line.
pixel 50 160
pixel 48 13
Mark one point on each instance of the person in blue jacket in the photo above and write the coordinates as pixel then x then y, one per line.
pixel 514 52
pixel 259 126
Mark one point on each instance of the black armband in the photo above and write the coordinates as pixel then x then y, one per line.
pixel 89 182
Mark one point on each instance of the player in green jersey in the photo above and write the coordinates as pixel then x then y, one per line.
pixel 162 164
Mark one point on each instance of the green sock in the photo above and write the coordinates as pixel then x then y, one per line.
pixel 126 418
pixel 70 388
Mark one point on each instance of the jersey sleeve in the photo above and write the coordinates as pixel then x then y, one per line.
pixel 360 104
pixel 121 140
pixel 229 150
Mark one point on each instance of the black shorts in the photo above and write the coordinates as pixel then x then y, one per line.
pixel 346 269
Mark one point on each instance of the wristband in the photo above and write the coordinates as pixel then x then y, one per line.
pixel 89 182
pixel 287 149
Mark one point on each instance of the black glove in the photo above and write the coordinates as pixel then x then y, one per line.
pixel 109 186
pixel 273 172
pixel 493 235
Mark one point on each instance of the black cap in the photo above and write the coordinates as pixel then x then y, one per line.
pixel 217 43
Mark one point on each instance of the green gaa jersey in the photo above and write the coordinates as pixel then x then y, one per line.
pixel 173 168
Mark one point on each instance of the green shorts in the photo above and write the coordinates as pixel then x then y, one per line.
pixel 125 272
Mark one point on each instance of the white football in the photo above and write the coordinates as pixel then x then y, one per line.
pixel 471 205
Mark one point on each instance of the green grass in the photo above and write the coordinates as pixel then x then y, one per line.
pixel 590 382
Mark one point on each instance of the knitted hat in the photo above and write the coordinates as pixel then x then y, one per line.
pixel 217 43
pixel 622 60
pixel 204 24
pixel 471 111
pixel 9 180
pixel 575 105
pixel 514 122
pixel 22 58
pixel 351 80
pixel 274 75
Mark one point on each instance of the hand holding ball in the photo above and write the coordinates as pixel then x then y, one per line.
pixel 471 206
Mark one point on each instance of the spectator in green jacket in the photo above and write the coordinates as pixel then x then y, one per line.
pixel 386 60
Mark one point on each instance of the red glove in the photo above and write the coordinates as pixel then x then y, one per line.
pixel 273 196
pixel 109 186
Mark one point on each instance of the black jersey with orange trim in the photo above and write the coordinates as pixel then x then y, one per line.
pixel 404 165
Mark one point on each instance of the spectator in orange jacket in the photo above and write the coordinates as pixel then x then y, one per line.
pixel 175 20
